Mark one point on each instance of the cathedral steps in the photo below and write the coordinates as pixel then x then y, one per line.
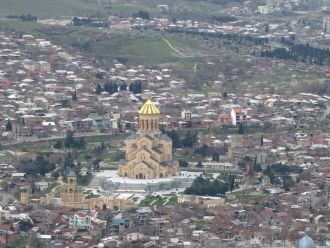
pixel 95 183
pixel 187 183
pixel 131 188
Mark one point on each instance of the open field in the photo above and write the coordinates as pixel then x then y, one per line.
pixel 141 50
pixel 48 8
pixel 183 9
pixel 129 47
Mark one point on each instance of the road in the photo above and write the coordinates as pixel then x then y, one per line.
pixel 22 140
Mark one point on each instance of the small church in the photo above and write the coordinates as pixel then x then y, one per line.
pixel 72 193
pixel 72 196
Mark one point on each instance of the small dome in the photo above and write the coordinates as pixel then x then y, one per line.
pixel 149 108
pixel 72 174
pixel 306 242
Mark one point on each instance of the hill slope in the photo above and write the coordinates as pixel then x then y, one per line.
pixel 48 8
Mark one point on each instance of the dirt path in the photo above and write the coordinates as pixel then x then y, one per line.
pixel 195 67
pixel 173 48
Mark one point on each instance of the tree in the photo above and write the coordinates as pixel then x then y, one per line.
pixel 231 182
pixel 257 167
pixel 142 14
pixel 266 28
pixel 69 139
pixel 80 143
pixel 216 157
pixel 9 126
pixel 34 242
pixel 43 166
pixel 183 163
pixel 111 87
pixel 98 89
pixel 241 128
pixel 287 182
pixel 99 75
pixel 58 145
pixel 96 164
pixel 86 46
pixel 173 134
pixel 123 86
pixel 224 18
pixel 16 243
pixel 203 151
pixel 74 95
pixel 25 225
pixel 136 87
pixel 207 186
pixel 26 166
pixel 55 174
pixel 69 161
pixel 39 166
pixel 327 61
pixel 190 139
pixel 199 164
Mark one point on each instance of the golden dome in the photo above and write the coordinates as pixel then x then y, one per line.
pixel 149 108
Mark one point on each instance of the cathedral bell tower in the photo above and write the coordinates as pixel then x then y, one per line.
pixel 149 116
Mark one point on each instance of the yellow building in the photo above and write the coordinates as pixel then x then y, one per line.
pixel 25 197
pixel 72 196
pixel 72 193
pixel 148 152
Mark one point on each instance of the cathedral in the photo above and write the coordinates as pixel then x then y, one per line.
pixel 148 153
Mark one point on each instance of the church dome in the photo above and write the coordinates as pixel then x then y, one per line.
pixel 149 108
pixel 306 242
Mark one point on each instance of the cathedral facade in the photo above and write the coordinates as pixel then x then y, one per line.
pixel 148 153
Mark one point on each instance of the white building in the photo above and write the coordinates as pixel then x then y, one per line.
pixel 81 222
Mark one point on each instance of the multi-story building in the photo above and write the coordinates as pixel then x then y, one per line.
pixel 326 23
pixel 80 221
pixel 239 115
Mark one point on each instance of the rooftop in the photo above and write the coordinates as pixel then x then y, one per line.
pixel 149 108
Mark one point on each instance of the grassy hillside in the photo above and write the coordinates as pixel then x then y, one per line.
pixel 179 9
pixel 132 47
pixel 143 50
pixel 48 8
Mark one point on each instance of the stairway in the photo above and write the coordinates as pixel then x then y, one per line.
pixel 131 188
pixel 187 183
pixel 95 183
